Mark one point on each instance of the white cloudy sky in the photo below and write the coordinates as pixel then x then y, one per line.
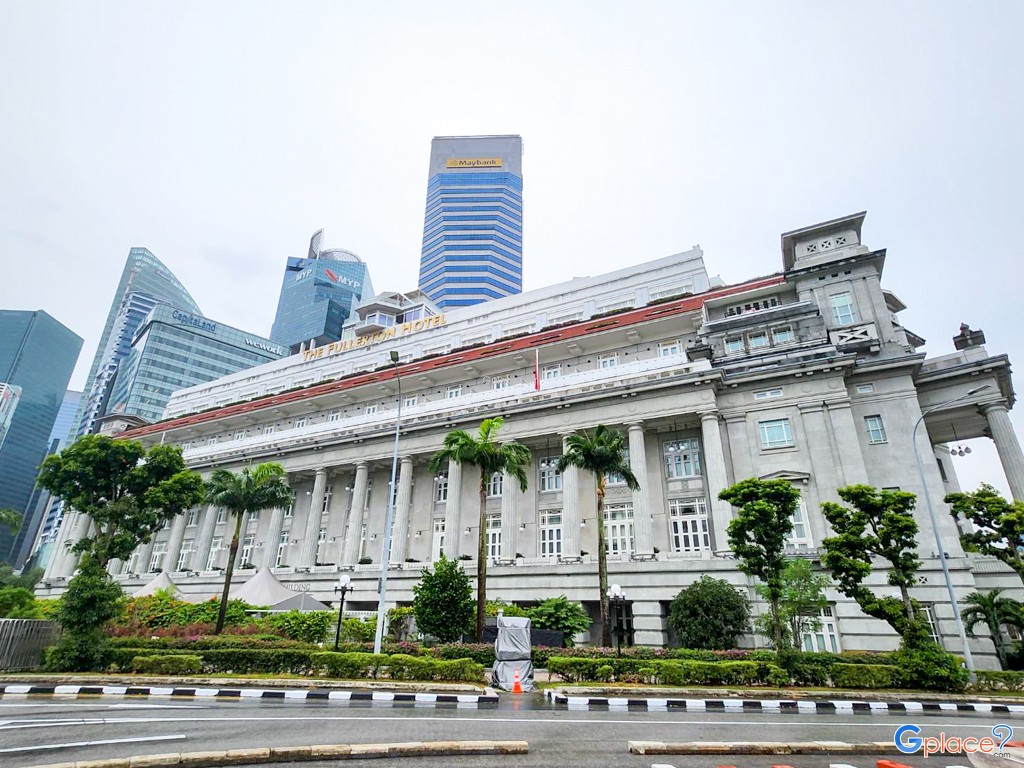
pixel 220 135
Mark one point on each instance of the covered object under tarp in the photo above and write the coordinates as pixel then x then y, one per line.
pixel 261 589
pixel 512 653
pixel 300 601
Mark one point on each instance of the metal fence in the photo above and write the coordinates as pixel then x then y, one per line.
pixel 22 642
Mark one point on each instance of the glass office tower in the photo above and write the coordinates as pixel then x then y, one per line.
pixel 174 349
pixel 473 226
pixel 144 282
pixel 37 354
pixel 317 296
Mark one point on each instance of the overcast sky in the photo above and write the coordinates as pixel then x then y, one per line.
pixel 221 135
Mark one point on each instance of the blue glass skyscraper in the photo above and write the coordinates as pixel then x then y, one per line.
pixel 317 295
pixel 37 354
pixel 473 225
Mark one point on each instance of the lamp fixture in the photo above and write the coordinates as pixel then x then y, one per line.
pixel 522 526
pixel 959 450
pixel 418 534
pixel 466 532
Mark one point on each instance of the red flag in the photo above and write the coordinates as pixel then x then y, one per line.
pixel 536 370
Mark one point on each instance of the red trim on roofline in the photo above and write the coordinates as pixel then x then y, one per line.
pixel 502 346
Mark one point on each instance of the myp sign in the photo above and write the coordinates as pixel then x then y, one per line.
pixel 327 275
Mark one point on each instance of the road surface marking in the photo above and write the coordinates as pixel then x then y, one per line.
pixel 96 743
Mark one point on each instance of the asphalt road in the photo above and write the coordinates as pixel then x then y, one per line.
pixel 36 730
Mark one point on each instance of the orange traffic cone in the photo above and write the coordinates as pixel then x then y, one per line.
pixel 517 687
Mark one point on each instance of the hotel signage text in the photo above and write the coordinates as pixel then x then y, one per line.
pixel 403 329
pixel 474 162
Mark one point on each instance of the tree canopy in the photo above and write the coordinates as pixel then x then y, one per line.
pixel 800 604
pixel 709 614
pixel 998 525
pixel 443 601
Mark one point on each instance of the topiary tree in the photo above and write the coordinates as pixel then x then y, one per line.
pixel 800 605
pixel 443 601
pixel 559 614
pixel 709 614
pixel 998 525
pixel 758 535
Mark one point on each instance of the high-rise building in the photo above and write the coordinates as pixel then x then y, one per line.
pixel 317 295
pixel 174 349
pixel 144 281
pixel 37 354
pixel 473 226
pixel 9 396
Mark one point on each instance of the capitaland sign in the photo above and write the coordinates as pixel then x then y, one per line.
pixel 265 347
pixel 403 329
pixel 474 162
pixel 184 318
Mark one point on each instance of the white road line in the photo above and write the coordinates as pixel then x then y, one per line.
pixel 98 742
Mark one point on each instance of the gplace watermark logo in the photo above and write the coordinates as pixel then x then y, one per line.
pixel 909 741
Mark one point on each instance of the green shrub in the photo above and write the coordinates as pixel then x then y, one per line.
pixel 356 666
pixel 998 681
pixel 671 672
pixel 561 615
pixel 929 667
pixel 168 664
pixel 348 666
pixel 243 661
pixel 360 630
pixel 481 653
pixel 865 676
pixel 77 652
pixel 308 627
pixel 121 659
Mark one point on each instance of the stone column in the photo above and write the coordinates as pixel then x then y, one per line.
pixel 740 445
pixel 571 508
pixel 205 538
pixel 355 515
pixel 847 443
pixel 145 553
pixel 453 513
pixel 714 469
pixel 114 566
pixel 273 536
pixel 509 523
pixel 307 552
pixel 174 542
pixel 1007 446
pixel 60 554
pixel 643 528
pixel 825 464
pixel 400 538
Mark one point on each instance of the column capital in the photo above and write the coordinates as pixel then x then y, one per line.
pixel 998 405
pixel 709 415
pixel 638 424
pixel 810 407
pixel 321 471
pixel 839 403
pixel 406 459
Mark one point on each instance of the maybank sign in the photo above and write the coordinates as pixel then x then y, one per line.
pixel 403 329
pixel 474 162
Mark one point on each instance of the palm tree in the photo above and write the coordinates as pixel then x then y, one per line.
pixel 993 611
pixel 251 490
pixel 602 455
pixel 490 457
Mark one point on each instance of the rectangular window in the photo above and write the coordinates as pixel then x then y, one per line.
pixel 842 308
pixel 933 627
pixel 732 346
pixel 156 557
pixel 282 550
pixel 245 557
pixel 775 433
pixel 865 389
pixel 767 394
pixel 325 508
pixel 550 372
pixel 185 554
pixel 752 306
pixel 441 487
pixel 825 639
pixel 240 434
pixel 129 565
pixel 688 520
pixel 670 348
pixel 608 361
pixel 193 518
pixel 782 335
pixel 300 423
pixel 438 541
pixel 616 478
pixel 268 430
pixel 453 392
pixel 494 485
pixel 216 545
pixel 370 410
pixel 290 509
pixel 876 429
pixel 500 382
pixel 618 529
pixel 222 515
pixel 409 401
pixel 551 533
pixel 757 340
pixel 493 538
pixel 800 536
pixel 682 458
pixel 334 416
pixel 212 440
pixel 550 478
pixel 321 539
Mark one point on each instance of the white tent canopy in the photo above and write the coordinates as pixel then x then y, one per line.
pixel 300 601
pixel 162 581
pixel 261 589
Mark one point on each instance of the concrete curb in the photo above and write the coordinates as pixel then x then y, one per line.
pixel 268 755
pixel 762 748
pixel 488 698
pixel 810 706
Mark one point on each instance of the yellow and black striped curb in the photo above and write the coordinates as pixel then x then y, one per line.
pixel 762 748
pixel 268 755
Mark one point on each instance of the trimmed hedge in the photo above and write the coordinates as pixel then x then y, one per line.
pixel 400 666
pixel 865 676
pixel 169 664
pixel 247 661
pixel 998 681
pixel 670 672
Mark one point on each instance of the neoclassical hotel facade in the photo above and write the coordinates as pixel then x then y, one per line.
pixel 806 374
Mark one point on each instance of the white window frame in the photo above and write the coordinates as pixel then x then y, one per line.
pixel 548 372
pixel 240 434
pixel 453 392
pixel 216 547
pixel 289 511
pixel 689 531
pixel 734 345
pixel 549 536
pixel 617 478
pixel 767 394
pixel 268 429
pixel 492 537
pixel 495 485
pixel 549 479
pixel 222 516
pixel 826 639
pixel 758 340
pixel 933 625
pixel 192 519
pixel 370 410
pixel 787 330
pixel 681 458
pixel 865 389
pixel 245 553
pixel 670 348
pixel 188 546
pixel 299 423
pixel 769 440
pixel 610 360
pixel 409 401
pixel 156 557
pixel 875 427
pixel 437 542
pixel 441 488
pixel 282 549
pixel 501 382
pixel 843 310
pixel 619 533
pixel 325 508
pixel 799 537
pixel 334 416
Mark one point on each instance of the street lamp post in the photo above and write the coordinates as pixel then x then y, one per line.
pixel 386 554
pixel 618 600
pixel 968 658
pixel 343 586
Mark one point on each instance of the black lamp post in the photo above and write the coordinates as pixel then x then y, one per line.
pixel 618 600
pixel 343 586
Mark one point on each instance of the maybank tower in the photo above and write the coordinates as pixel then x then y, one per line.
pixel 473 226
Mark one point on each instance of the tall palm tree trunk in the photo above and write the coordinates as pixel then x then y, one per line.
pixel 232 554
pixel 602 567
pixel 481 563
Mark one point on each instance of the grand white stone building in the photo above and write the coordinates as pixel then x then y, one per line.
pixel 806 374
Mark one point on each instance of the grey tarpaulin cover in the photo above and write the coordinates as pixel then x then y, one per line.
pixel 512 652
